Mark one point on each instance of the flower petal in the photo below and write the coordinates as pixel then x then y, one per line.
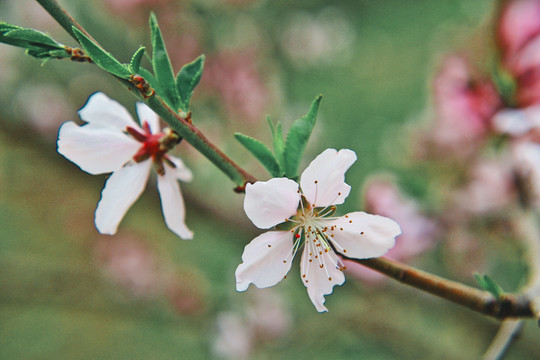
pixel 323 181
pixel 172 204
pixel 121 190
pixel 95 149
pixel 320 271
pixel 181 172
pixel 268 203
pixel 100 110
pixel 360 235
pixel 517 122
pixel 266 260
pixel 148 115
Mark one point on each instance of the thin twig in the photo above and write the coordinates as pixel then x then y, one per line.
pixel 508 332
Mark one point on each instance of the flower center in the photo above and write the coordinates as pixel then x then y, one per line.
pixel 154 146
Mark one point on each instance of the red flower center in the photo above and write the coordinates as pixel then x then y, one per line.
pixel 154 146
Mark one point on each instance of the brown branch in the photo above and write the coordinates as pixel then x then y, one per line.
pixel 508 305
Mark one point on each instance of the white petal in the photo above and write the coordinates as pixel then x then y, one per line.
pixel 268 203
pixel 266 260
pixel 181 172
pixel 172 204
pixel 103 111
pixel 320 271
pixel 511 121
pixel 360 235
pixel 95 150
pixel 323 181
pixel 148 115
pixel 121 190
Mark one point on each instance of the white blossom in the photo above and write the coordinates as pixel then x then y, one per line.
pixel 304 217
pixel 111 141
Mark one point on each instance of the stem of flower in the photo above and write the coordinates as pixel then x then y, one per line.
pixel 507 305
pixel 62 17
pixel 189 132
pixel 196 138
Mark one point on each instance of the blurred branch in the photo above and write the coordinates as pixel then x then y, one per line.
pixel 507 305
pixel 178 123
pixel 527 227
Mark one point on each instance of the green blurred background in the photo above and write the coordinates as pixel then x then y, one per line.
pixel 68 293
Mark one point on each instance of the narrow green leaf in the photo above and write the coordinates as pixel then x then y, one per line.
pixel 162 66
pixel 488 284
pixel 135 62
pixel 297 139
pixel 187 79
pixel 261 152
pixel 278 143
pixel 33 38
pixel 101 57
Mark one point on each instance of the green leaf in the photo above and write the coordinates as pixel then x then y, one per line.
pixel 135 62
pixel 187 79
pixel 33 38
pixel 101 57
pixel 162 66
pixel 278 143
pixel 297 139
pixel 488 284
pixel 261 152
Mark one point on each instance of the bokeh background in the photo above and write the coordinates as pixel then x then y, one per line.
pixel 67 292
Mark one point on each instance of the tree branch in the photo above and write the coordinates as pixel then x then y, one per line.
pixel 508 305
pixel 189 132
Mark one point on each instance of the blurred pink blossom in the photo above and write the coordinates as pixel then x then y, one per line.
pixel 518 34
pixel 130 264
pixel 264 319
pixel 523 127
pixel 236 79
pixel 418 231
pixel 519 22
pixel 491 187
pixel 464 104
pixel 48 108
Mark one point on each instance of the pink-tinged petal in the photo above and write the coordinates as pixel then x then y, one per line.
pixel 148 115
pixel 266 260
pixel 94 149
pixel 360 235
pixel 100 110
pixel 512 122
pixel 268 203
pixel 517 122
pixel 323 181
pixel 121 190
pixel 172 204
pixel 320 270
pixel 181 171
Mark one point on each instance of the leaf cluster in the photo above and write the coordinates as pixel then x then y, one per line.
pixel 285 159
pixel 176 91
pixel 36 43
